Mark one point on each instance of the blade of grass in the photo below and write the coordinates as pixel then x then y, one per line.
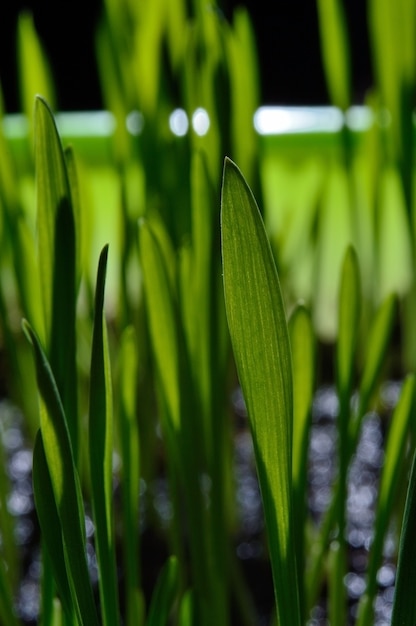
pixel 393 464
pixel 57 261
pixel 348 325
pixel 100 453
pixel 259 336
pixel 335 51
pixel 130 453
pixel 50 525
pixel 164 594
pixel 302 342
pixel 65 484
pixel 34 71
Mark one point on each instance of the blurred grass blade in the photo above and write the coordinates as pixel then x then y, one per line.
pixel 161 314
pixel 259 336
pixel 376 348
pixel 164 594
pixel 101 452
pixel 65 484
pixel 34 71
pixel 335 51
pixel 404 604
pixel 349 317
pixel 57 261
pixel 302 342
pixel 393 464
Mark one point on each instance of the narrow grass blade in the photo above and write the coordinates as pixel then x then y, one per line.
pixel 302 342
pixel 393 464
pixel 164 594
pixel 376 349
pixel 335 51
pixel 34 72
pixel 65 484
pixel 349 318
pixel 101 451
pixel 259 336
pixel 130 454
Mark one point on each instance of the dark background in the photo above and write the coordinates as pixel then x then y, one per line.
pixel 286 32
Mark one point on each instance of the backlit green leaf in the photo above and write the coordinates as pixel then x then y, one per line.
pixel 259 336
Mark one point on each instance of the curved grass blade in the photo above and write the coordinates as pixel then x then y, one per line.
pixel 165 594
pixel 259 336
pixel 65 484
pixel 100 453
pixel 49 522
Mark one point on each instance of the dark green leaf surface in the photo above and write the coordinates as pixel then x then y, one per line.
pixel 164 594
pixel 260 341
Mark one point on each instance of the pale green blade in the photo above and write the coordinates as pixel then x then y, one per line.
pixel 259 336
pixel 34 72
pixel 335 51
pixel 101 451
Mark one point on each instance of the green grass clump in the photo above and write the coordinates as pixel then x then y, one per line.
pixel 125 372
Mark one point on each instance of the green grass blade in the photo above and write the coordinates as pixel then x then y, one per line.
pixel 404 604
pixel 393 464
pixel 161 314
pixel 302 342
pixel 57 261
pixel 164 594
pixel 376 349
pixel 335 51
pixel 130 453
pixel 259 336
pixel 349 317
pixel 49 522
pixel 65 484
pixel 34 71
pixel 100 453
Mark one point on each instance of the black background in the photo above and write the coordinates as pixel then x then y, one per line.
pixel 286 32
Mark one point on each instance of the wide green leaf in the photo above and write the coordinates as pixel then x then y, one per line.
pixel 259 336
pixel 101 451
